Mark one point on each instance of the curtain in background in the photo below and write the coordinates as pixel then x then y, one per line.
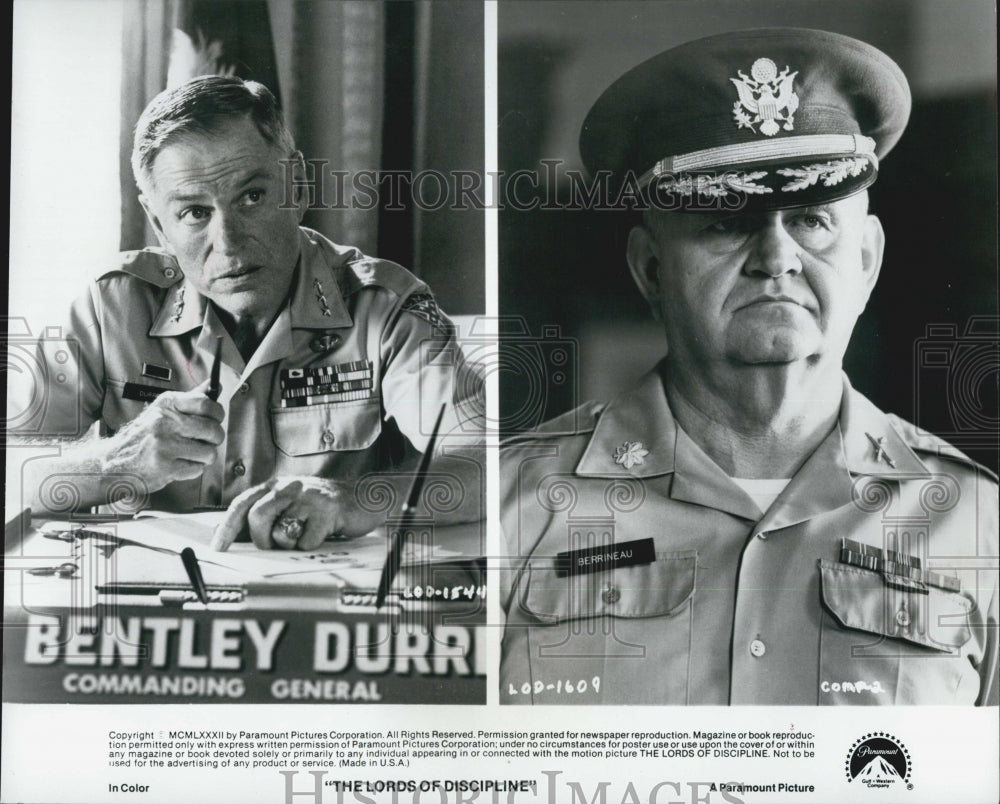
pixel 166 42
pixel 331 58
pixel 365 87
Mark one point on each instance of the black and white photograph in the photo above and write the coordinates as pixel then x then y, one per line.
pixel 502 402
pixel 244 444
pixel 753 245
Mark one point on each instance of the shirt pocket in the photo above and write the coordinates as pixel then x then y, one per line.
pixel 623 635
pixel 889 643
pixel 330 427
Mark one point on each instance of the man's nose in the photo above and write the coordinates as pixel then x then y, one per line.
pixel 228 235
pixel 775 251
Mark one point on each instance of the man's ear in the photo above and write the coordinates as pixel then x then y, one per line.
pixel 155 223
pixel 644 265
pixel 872 249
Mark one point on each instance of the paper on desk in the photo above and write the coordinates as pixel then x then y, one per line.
pixel 175 532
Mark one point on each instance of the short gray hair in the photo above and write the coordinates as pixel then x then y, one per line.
pixel 200 106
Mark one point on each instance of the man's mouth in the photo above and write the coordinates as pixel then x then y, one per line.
pixel 775 299
pixel 237 273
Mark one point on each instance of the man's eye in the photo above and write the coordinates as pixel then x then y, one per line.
pixel 812 221
pixel 726 225
pixel 253 197
pixel 194 214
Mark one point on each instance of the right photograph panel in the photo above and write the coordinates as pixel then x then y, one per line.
pixel 748 375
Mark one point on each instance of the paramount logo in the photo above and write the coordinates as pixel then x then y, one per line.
pixel 878 773
pixel 879 760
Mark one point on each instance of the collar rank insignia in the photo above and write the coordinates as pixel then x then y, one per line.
pixel 630 454
pixel 878 444
pixel 763 95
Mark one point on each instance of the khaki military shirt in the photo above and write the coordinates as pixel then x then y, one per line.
pixel 865 582
pixel 363 330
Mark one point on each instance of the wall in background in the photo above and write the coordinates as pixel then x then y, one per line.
pixel 398 86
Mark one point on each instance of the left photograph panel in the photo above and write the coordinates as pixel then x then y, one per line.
pixel 244 418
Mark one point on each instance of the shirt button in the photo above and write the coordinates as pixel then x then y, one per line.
pixel 244 388
pixel 169 273
pixel 239 469
pixel 611 595
pixel 903 618
pixel 327 437
pixel 757 648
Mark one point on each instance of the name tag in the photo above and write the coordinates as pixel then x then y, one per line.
pixel 155 372
pixel 598 559
pixel 141 393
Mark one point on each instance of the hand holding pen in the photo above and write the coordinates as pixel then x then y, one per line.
pixel 173 438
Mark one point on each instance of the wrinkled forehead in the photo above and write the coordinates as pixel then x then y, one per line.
pixel 228 148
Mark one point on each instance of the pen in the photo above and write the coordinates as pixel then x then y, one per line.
pixel 190 561
pixel 214 386
pixel 391 567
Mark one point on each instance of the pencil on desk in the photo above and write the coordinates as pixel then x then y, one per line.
pixel 391 568
pixel 190 561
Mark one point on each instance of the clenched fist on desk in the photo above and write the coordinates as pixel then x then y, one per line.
pixel 295 513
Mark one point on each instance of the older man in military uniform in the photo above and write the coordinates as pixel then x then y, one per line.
pixel 333 364
pixel 743 527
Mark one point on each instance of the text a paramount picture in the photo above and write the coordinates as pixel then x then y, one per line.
pixel 714 283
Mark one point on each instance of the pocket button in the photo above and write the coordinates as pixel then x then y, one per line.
pixel 611 595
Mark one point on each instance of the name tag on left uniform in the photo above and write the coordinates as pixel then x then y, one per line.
pixel 141 393
pixel 609 556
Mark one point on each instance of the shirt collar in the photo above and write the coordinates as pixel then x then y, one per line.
pixel 862 426
pixel 824 482
pixel 316 301
pixel 183 310
pixel 641 417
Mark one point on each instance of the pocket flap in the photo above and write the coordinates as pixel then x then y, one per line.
pixel 859 598
pixel 647 590
pixel 334 426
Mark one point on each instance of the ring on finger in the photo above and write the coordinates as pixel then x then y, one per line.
pixel 291 526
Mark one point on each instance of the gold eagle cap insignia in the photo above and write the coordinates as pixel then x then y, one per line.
pixel 766 98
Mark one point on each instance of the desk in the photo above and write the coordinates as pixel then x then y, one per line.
pixel 102 612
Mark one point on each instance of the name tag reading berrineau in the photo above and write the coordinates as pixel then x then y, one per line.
pixel 605 557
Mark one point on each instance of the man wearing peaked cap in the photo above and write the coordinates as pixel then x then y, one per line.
pixel 779 117
pixel 744 527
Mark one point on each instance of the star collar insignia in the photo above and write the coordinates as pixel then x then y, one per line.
pixel 878 444
pixel 631 453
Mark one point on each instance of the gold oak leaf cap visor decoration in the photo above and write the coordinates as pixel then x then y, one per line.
pixel 769 118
